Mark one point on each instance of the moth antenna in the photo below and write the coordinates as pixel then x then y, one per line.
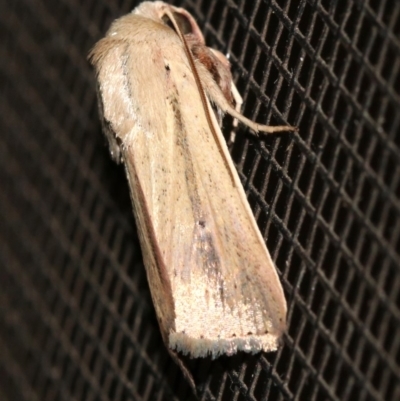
pixel 201 91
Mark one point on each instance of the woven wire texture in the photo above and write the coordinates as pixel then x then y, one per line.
pixel 76 318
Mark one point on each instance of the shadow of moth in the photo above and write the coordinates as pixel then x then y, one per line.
pixel 161 93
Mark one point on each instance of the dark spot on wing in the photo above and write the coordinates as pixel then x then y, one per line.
pixel 221 291
pixel 206 253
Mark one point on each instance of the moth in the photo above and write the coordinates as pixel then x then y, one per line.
pixel 161 95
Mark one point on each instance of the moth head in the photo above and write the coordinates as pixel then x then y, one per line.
pixel 161 12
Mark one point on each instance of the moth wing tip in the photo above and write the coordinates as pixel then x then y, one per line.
pixel 215 347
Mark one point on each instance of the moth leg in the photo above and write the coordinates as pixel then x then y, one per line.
pixel 238 106
pixel 216 96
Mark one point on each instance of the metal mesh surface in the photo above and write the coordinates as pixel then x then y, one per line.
pixel 76 317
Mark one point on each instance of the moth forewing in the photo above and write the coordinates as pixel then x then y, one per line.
pixel 212 280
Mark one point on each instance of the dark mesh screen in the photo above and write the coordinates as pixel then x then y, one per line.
pixel 76 317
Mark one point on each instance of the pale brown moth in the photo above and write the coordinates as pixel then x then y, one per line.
pixel 161 94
